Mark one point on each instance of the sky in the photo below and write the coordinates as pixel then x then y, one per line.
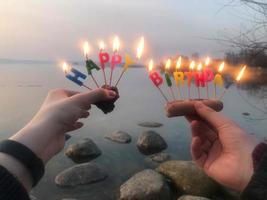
pixel 55 29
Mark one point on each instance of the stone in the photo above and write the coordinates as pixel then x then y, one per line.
pixel 188 178
pixel 245 113
pixel 160 157
pixel 145 185
pixel 150 124
pixel 150 142
pixel 81 174
pixel 189 197
pixel 119 136
pixel 83 151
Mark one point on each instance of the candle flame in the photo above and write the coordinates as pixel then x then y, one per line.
pixel 116 44
pixel 86 48
pixel 65 67
pixel 168 64
pixel 101 45
pixel 221 67
pixel 241 73
pixel 207 61
pixel 199 67
pixel 192 65
pixel 150 65
pixel 179 63
pixel 140 48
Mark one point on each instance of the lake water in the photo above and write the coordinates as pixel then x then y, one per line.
pixel 24 86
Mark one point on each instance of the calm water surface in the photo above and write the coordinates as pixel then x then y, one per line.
pixel 23 88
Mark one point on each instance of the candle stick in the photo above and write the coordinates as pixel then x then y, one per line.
pixel 156 79
pixel 238 78
pixel 179 76
pixel 74 75
pixel 207 63
pixel 103 59
pixel 90 65
pixel 199 79
pixel 168 78
pixel 116 58
pixel 129 61
pixel 218 80
pixel 190 76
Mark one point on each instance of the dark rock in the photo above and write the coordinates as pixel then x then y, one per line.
pixel 188 178
pixel 150 142
pixel 119 136
pixel 160 157
pixel 80 174
pixel 245 113
pixel 145 185
pixel 150 124
pixel 189 197
pixel 108 106
pixel 83 151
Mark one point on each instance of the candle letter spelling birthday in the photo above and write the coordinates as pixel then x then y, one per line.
pixel 116 58
pixel 168 78
pixel 218 80
pixel 103 59
pixel 179 76
pixel 190 75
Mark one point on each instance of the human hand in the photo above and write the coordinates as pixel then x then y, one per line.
pixel 60 112
pixel 221 148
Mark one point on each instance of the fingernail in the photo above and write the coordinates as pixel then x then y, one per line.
pixel 112 93
pixel 199 105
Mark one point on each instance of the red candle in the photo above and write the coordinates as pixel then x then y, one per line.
pixel 103 59
pixel 116 58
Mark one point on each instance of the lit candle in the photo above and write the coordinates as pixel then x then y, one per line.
pixel 168 78
pixel 218 80
pixel 179 76
pixel 238 79
pixel 207 63
pixel 156 78
pixel 190 75
pixel 90 65
pixel 103 59
pixel 200 81
pixel 74 75
pixel 116 58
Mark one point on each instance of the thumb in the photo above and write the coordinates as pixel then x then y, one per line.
pixel 86 99
pixel 215 119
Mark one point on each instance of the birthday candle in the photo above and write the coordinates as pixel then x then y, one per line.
pixel 156 78
pixel 116 58
pixel 207 63
pixel 90 65
pixel 74 75
pixel 179 76
pixel 103 59
pixel 218 80
pixel 200 81
pixel 168 78
pixel 190 76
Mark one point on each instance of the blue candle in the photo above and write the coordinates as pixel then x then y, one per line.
pixel 75 75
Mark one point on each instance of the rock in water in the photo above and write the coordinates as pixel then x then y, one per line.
pixel 145 185
pixel 80 174
pixel 83 151
pixel 151 142
pixel 160 157
pixel 150 124
pixel 189 197
pixel 188 178
pixel 119 136
pixel 108 106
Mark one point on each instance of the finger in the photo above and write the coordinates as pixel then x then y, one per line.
pixel 70 93
pixel 198 155
pixel 86 99
pixel 215 119
pixel 186 108
pixel 200 129
pixel 75 126
pixel 85 114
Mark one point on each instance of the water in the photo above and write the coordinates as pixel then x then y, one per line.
pixel 24 86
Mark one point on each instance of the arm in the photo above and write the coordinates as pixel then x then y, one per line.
pixel 44 135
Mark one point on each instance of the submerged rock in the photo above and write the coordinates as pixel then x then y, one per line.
pixel 189 197
pixel 83 151
pixel 188 178
pixel 160 157
pixel 150 124
pixel 80 174
pixel 245 113
pixel 150 142
pixel 145 185
pixel 119 136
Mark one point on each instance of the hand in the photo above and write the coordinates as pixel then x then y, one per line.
pixel 221 148
pixel 60 112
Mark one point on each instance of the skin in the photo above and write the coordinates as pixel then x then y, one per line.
pixel 221 148
pixel 45 133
